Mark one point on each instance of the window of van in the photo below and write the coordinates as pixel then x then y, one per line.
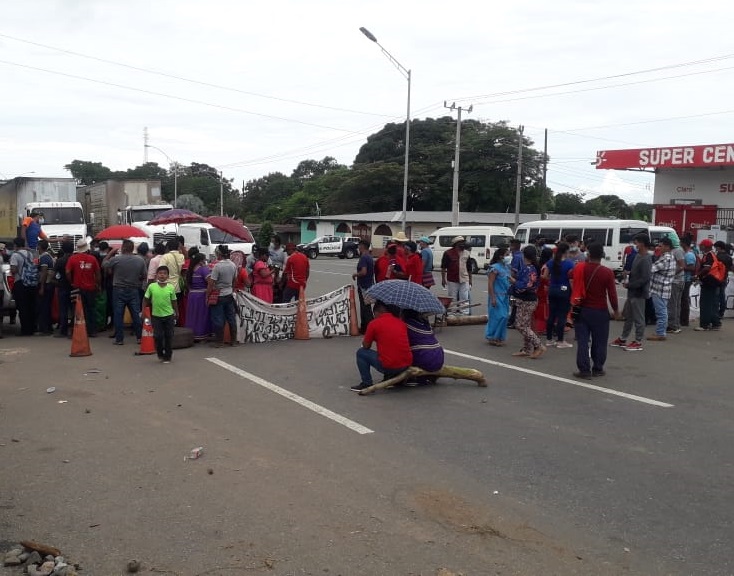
pixel 445 241
pixel 522 235
pixel 627 234
pixel 600 235
pixel 499 240
pixel 578 232
pixel 552 235
pixel 476 241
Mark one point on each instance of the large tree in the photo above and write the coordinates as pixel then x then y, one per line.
pixel 87 172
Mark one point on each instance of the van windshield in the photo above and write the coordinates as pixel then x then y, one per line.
pixel 522 235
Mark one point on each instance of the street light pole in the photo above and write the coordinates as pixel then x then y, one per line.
pixel 408 76
pixel 457 154
pixel 518 187
pixel 174 167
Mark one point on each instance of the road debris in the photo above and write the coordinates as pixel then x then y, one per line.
pixel 195 454
pixel 51 390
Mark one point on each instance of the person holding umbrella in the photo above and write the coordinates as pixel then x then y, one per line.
pixel 393 355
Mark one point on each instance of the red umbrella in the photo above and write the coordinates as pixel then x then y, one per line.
pixel 176 216
pixel 231 227
pixel 120 232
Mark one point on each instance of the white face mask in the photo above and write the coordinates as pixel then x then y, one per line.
pixel 507 260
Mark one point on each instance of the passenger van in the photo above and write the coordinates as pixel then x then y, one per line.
pixel 206 238
pixel 482 241
pixel 614 235
pixel 657 233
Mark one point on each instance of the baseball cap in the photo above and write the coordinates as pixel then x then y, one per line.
pixel 706 242
pixel 424 239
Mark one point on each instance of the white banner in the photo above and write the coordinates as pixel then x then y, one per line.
pixel 258 321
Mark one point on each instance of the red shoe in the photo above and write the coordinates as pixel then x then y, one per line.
pixel 633 347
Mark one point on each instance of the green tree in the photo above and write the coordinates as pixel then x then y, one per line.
pixel 193 203
pixel 86 172
pixel 266 233
pixel 569 203
pixel 608 205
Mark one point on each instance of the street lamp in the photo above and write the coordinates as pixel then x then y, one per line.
pixel 407 75
pixel 174 169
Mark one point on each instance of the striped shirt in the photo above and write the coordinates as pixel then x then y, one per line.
pixel 663 271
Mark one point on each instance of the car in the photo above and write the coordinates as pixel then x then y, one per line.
pixel 330 246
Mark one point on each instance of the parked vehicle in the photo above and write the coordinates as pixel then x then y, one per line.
pixel 206 238
pixel 54 197
pixel 481 241
pixel 657 233
pixel 614 235
pixel 331 246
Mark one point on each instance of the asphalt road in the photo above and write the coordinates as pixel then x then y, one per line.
pixel 536 474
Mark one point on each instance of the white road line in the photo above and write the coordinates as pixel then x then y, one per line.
pixel 351 424
pixel 565 380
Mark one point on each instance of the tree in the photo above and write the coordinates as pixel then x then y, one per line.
pixel 608 205
pixel 193 203
pixel 310 169
pixel 569 203
pixel 266 233
pixel 86 172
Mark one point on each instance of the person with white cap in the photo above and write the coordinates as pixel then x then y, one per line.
pixel 84 274
pixel 456 271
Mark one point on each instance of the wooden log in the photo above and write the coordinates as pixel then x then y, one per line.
pixel 454 372
pixel 42 549
pixel 463 320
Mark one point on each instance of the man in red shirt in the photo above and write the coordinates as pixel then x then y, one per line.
pixel 594 284
pixel 414 263
pixel 295 273
pixel 84 275
pixel 393 353
pixel 390 266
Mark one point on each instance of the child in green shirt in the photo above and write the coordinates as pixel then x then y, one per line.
pixel 161 298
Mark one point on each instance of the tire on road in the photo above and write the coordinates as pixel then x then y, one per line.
pixel 349 253
pixel 182 338
pixel 312 254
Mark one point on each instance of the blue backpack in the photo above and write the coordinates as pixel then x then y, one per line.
pixel 29 273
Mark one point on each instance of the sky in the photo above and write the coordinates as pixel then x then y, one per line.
pixel 256 87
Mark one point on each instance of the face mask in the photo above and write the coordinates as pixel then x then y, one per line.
pixel 507 260
pixel 573 249
pixel 41 220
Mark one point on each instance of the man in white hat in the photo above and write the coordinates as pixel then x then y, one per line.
pixel 455 271
pixel 84 274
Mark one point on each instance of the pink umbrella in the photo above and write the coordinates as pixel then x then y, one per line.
pixel 120 232
pixel 176 216
pixel 232 227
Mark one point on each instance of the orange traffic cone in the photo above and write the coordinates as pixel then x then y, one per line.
pixel 79 338
pixel 301 331
pixel 353 325
pixel 227 336
pixel 147 341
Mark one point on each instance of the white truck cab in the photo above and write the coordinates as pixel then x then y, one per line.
pixel 206 238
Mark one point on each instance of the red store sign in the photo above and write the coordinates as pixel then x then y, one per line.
pixel 707 156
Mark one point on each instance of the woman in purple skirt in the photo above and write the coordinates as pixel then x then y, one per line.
pixel 197 313
pixel 427 352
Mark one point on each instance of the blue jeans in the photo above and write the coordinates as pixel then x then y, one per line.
pixel 593 325
pixel 130 298
pixel 366 359
pixel 224 310
pixel 558 307
pixel 660 305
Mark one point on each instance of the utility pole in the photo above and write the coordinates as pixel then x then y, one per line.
pixel 457 153
pixel 544 192
pixel 518 188
pixel 145 145
pixel 221 194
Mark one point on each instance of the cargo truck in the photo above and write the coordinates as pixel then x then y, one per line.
pixel 54 197
pixel 134 202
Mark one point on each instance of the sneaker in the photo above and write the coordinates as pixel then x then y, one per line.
pixel 584 375
pixel 633 347
pixel 619 343
pixel 656 338
pixel 166 361
pixel 118 343
pixel 359 387
pixel 676 331
pixel 598 373
pixel 564 344
pixel 701 329
pixel 550 343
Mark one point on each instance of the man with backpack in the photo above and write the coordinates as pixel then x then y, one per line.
pixel 711 276
pixel 25 287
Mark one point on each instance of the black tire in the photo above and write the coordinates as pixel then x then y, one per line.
pixel 182 338
pixel 312 253
pixel 473 266
pixel 349 253
pixel 340 256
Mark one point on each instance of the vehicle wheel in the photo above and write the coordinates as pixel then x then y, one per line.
pixel 340 256
pixel 312 254
pixel 349 254
pixel 473 266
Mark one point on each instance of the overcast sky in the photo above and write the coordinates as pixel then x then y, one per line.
pixel 247 70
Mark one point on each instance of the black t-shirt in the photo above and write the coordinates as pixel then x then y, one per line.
pixel 725 260
pixel 60 271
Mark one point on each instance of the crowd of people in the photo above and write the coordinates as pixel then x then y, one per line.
pixel 110 281
pixel 550 288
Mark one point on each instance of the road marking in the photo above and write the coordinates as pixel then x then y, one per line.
pixel 565 380
pixel 351 424
pixel 329 272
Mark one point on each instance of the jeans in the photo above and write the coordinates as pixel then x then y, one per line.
pixel 88 299
pixel 289 294
pixel 558 307
pixel 366 359
pixel 224 311
pixel 460 291
pixel 661 314
pixel 685 304
pixel 674 305
pixel 709 306
pixel 365 312
pixel 722 299
pixel 25 303
pixel 592 325
pixel 64 309
pixel 126 297
pixel 45 301
pixel 163 335
pixel 634 316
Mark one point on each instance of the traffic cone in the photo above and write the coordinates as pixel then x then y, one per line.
pixel 147 341
pixel 79 338
pixel 301 331
pixel 353 325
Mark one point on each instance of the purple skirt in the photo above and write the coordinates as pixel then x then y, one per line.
pixel 197 315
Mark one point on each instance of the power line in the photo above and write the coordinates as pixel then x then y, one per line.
pixel 190 80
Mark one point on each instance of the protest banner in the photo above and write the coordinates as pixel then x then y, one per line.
pixel 258 321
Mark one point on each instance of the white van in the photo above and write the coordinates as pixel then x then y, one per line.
pixel 206 238
pixel 657 233
pixel 482 241
pixel 614 235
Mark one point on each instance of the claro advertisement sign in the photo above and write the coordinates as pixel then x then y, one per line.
pixel 707 156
